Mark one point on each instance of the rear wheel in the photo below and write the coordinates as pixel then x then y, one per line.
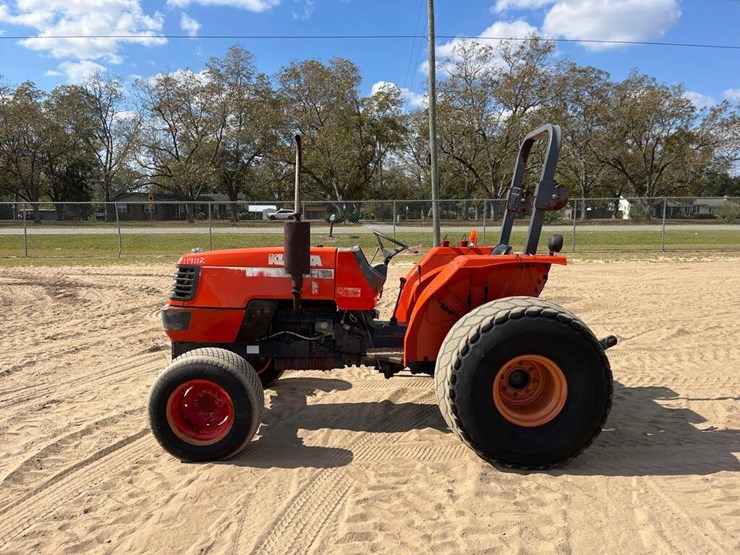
pixel 206 405
pixel 265 368
pixel 524 383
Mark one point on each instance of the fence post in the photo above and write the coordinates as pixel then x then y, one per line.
pixel 210 229
pixel 394 219
pixel 662 235
pixel 575 216
pixel 484 223
pixel 118 225
pixel 25 231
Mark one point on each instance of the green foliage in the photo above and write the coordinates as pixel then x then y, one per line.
pixel 728 212
pixel 639 213
pixel 229 129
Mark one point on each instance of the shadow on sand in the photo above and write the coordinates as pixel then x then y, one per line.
pixel 641 436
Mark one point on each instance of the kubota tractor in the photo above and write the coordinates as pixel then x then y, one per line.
pixel 522 381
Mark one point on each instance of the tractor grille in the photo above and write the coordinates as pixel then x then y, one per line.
pixel 186 280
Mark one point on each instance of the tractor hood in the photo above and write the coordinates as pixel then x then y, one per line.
pixel 230 278
pixel 267 257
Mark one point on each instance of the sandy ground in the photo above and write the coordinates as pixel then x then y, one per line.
pixel 348 462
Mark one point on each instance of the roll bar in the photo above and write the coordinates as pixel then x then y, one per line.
pixel 548 194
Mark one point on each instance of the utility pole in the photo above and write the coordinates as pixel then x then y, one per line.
pixel 433 125
pixel 380 165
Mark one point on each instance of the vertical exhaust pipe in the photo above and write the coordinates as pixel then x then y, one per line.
pixel 298 170
pixel 297 237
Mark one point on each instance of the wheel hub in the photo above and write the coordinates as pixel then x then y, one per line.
pixel 200 412
pixel 518 378
pixel 530 390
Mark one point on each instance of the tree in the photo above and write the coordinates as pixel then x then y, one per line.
pixel 720 185
pixel 23 138
pixel 67 159
pixel 183 134
pixel 487 105
pixel 112 131
pixel 341 130
pixel 656 139
pixel 581 108
pixel 248 114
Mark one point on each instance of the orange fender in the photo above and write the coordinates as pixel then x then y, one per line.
pixel 465 283
pixel 425 271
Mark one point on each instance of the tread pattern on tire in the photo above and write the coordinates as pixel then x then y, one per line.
pixel 482 320
pixel 235 365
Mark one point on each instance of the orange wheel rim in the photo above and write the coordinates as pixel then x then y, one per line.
pixel 530 390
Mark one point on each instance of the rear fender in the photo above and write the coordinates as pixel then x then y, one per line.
pixel 424 273
pixel 464 284
pixel 415 284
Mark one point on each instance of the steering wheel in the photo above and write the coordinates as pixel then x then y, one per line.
pixel 387 253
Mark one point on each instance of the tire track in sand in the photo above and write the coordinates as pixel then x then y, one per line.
pixel 142 362
pixel 687 537
pixel 65 485
pixel 55 449
pixel 296 528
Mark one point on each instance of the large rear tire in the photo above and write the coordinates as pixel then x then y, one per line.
pixel 524 383
pixel 206 405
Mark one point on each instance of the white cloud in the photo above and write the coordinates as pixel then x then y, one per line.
pixel 77 72
pixel 249 5
pixel 180 74
pixel 412 99
pixel 503 5
pixel 699 100
pixel 619 20
pixel 84 17
pixel 499 30
pixel 732 94
pixel 189 25
pixel 308 6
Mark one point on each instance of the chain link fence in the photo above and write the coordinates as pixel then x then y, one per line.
pixel 138 227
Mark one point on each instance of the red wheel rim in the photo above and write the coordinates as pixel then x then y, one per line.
pixel 200 412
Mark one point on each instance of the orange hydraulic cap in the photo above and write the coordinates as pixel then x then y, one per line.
pixel 473 237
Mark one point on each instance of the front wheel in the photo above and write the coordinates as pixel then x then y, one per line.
pixel 206 405
pixel 524 383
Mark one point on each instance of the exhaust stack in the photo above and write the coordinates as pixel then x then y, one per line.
pixel 297 237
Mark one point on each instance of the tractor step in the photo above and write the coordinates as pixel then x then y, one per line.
pixel 387 361
pixel 392 356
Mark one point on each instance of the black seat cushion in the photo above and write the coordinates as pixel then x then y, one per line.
pixel 382 269
pixel 374 276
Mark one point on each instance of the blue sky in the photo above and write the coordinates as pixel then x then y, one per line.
pixel 710 75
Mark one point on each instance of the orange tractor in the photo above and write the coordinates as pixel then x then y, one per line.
pixel 521 381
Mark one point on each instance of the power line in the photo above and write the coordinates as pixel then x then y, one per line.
pixel 371 37
pixel 413 44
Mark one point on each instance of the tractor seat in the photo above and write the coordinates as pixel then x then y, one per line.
pixel 374 275
pixel 501 249
pixel 382 269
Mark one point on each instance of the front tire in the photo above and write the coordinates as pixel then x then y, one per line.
pixel 206 405
pixel 524 383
